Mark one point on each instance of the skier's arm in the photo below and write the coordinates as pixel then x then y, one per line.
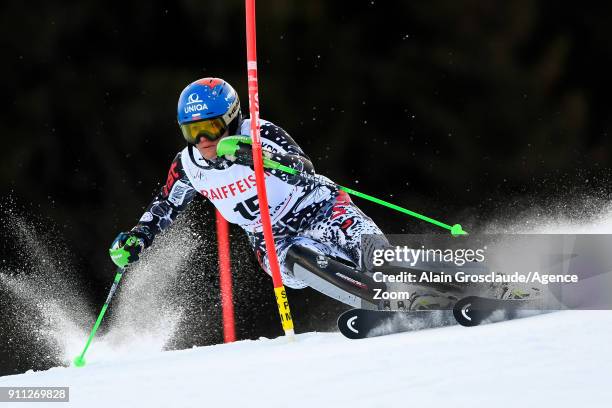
pixel 171 200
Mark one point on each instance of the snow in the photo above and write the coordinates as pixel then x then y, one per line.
pixel 560 359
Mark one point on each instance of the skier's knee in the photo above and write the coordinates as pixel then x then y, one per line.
pixel 332 276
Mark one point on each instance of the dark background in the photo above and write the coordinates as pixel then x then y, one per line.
pixel 466 111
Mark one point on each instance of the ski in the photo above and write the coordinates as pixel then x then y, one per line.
pixel 362 323
pixel 473 310
pixel 469 311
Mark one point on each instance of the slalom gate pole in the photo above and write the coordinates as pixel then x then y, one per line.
pixel 454 229
pixel 79 361
pixel 279 288
pixel 225 279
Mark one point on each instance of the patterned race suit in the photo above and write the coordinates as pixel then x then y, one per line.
pixel 305 213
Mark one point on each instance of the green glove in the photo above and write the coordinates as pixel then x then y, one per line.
pixel 126 248
pixel 236 148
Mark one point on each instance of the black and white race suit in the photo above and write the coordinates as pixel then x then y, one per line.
pixel 302 212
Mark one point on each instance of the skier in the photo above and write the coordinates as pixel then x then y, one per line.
pixel 317 228
pixel 310 220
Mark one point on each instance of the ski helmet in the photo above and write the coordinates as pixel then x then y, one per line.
pixel 207 108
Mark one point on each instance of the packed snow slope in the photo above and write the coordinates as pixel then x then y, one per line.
pixel 559 359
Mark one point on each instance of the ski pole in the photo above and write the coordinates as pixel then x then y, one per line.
pixel 79 361
pixel 230 146
pixel 454 229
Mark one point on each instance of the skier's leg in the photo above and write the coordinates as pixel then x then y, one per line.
pixel 305 262
pixel 334 237
pixel 327 255
pixel 340 228
pixel 323 269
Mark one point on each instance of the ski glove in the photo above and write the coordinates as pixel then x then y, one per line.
pixel 126 248
pixel 236 149
pixel 239 149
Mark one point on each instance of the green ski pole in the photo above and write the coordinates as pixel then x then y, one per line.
pixel 230 146
pixel 454 229
pixel 79 361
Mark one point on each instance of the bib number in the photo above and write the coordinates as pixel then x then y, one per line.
pixel 249 208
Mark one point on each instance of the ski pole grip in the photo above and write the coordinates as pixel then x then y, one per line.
pixel 229 146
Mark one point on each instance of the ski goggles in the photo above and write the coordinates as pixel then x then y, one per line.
pixel 210 129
